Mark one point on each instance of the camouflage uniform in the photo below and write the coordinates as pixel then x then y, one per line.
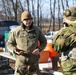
pixel 26 40
pixel 64 42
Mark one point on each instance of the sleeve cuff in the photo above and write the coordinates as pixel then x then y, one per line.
pixel 39 49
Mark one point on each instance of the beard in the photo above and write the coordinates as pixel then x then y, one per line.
pixel 24 26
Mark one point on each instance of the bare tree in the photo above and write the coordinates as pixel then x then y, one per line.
pixel 20 9
pixel 62 4
pixel 59 13
pixel 15 7
pixel 37 12
pixel 54 15
pixel 9 10
pixel 4 7
pixel 12 9
pixel 33 11
pixel 20 5
pixel 51 15
pixel 67 3
pixel 27 1
pixel 40 14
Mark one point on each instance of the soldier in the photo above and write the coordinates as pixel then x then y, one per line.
pixel 23 42
pixel 64 42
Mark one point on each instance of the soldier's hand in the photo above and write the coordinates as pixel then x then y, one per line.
pixel 36 51
pixel 18 52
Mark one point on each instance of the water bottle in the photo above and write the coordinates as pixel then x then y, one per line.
pixel 6 38
pixel 49 63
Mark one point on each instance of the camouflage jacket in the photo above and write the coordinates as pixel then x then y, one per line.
pixel 64 39
pixel 26 40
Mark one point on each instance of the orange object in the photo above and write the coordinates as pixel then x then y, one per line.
pixel 51 50
pixel 38 43
pixel 44 55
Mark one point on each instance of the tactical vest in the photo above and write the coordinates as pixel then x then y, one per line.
pixel 71 48
pixel 65 41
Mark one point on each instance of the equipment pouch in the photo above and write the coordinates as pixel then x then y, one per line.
pixel 67 65
pixel 34 58
pixel 72 54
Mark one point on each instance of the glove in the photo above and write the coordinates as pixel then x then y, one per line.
pixel 36 51
pixel 18 52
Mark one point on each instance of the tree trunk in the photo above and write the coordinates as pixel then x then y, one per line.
pixel 59 13
pixel 62 4
pixel 6 17
pixel 33 11
pixel 54 15
pixel 67 3
pixel 27 5
pixel 37 12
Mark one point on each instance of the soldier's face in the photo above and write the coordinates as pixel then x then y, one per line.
pixel 69 21
pixel 27 22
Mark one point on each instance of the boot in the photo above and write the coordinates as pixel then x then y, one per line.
pixel 34 69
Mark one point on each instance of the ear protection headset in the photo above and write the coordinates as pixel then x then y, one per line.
pixel 70 12
pixel 67 13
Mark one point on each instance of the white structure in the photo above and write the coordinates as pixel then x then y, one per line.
pixel 50 35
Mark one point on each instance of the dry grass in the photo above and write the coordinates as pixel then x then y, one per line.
pixel 46 28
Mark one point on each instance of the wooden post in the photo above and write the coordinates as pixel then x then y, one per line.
pixel 55 60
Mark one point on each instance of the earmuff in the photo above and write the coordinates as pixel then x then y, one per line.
pixel 67 13
pixel 65 24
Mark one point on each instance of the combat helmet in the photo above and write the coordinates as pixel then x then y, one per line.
pixel 25 15
pixel 70 13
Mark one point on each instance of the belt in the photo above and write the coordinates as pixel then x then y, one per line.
pixel 26 54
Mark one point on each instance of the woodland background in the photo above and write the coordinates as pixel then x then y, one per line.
pixel 47 14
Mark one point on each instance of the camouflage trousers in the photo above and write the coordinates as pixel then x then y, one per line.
pixel 69 67
pixel 26 66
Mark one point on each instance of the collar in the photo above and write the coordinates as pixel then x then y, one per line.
pixel 30 29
